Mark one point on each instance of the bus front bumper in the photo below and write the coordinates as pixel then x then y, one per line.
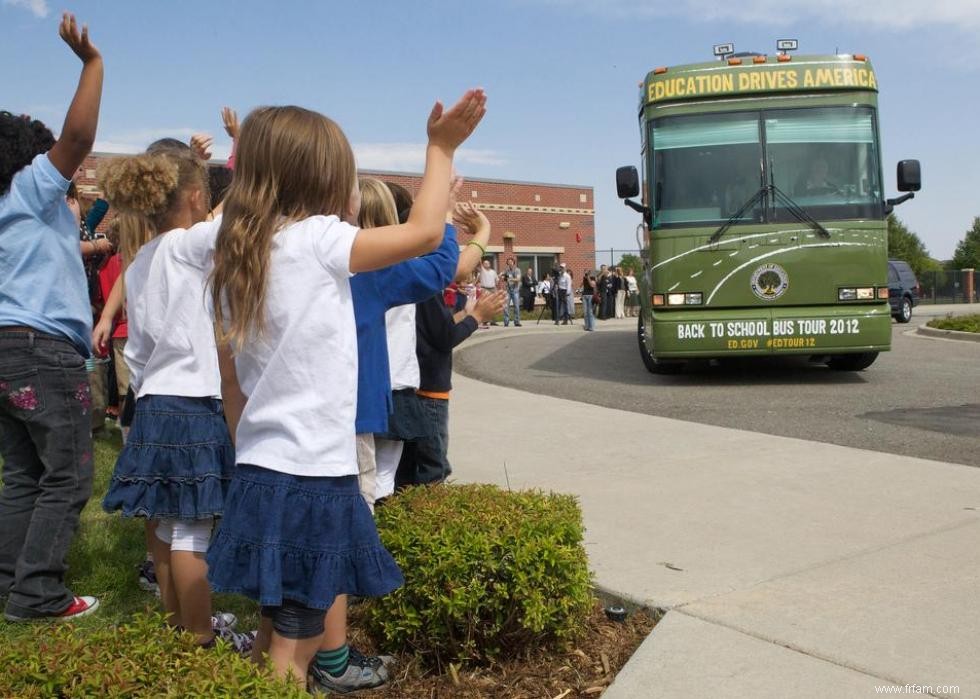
pixel 817 330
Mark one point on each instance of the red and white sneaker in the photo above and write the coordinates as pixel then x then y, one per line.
pixel 79 607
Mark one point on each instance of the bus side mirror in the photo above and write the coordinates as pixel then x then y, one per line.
pixel 909 176
pixel 627 182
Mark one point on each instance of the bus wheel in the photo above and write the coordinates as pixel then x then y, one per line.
pixel 654 365
pixel 852 362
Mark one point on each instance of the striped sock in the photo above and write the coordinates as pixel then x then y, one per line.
pixel 333 662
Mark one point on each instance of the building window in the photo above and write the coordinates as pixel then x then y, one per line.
pixel 583 198
pixel 473 194
pixel 537 197
pixel 541 264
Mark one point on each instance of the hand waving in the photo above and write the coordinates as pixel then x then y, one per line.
pixel 470 218
pixel 448 129
pixel 78 42
pixel 230 119
pixel 201 145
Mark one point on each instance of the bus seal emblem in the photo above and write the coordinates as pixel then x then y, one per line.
pixel 769 282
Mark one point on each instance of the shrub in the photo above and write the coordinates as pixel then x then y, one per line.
pixel 969 323
pixel 487 572
pixel 142 658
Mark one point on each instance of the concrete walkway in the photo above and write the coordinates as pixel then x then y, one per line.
pixel 789 568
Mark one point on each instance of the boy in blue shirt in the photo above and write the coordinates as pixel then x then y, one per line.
pixel 45 337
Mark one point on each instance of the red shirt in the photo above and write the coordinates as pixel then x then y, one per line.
pixel 107 278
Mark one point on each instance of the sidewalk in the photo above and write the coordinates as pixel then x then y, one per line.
pixel 806 569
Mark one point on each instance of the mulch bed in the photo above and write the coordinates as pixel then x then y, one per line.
pixel 584 670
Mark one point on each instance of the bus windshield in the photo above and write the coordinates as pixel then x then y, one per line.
pixel 706 167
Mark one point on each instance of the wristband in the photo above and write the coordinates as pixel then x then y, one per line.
pixel 482 249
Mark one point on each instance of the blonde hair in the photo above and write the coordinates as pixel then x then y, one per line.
pixel 291 163
pixel 377 204
pixel 144 190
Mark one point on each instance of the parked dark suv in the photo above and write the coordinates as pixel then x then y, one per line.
pixel 903 290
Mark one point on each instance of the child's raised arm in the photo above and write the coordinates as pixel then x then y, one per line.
pixel 78 133
pixel 375 248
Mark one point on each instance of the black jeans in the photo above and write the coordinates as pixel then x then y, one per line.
pixel 46 444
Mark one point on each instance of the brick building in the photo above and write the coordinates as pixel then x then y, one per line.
pixel 539 224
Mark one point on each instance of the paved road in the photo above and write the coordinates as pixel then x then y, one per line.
pixel 921 399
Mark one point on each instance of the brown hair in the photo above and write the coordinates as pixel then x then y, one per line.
pixel 144 190
pixel 377 205
pixel 291 163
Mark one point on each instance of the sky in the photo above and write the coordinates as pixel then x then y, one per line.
pixel 561 78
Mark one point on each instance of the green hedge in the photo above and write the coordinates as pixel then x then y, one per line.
pixel 142 658
pixel 969 324
pixel 488 572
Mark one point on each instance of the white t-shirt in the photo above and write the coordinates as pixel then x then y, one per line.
pixel 488 277
pixel 404 363
pixel 300 376
pixel 174 319
pixel 139 343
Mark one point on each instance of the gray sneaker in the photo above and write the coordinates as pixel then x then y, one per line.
pixel 223 620
pixel 363 672
pixel 241 642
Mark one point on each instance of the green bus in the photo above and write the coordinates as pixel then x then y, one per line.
pixel 763 207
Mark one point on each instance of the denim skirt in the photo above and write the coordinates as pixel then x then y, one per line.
pixel 177 461
pixel 407 421
pixel 301 538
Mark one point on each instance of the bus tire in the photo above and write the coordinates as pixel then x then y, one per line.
pixel 852 362
pixel 654 365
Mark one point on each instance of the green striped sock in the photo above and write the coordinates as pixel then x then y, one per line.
pixel 333 661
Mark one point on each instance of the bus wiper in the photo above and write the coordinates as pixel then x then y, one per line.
pixel 795 210
pixel 737 216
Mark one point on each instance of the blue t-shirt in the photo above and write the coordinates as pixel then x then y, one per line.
pixel 411 281
pixel 42 281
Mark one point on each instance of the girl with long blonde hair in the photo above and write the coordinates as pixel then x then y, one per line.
pixel 297 536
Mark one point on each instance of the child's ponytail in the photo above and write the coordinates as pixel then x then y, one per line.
pixel 143 191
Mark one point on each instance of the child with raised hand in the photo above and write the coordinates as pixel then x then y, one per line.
pixel 176 463
pixel 374 294
pixel 45 337
pixel 297 536
pixel 425 461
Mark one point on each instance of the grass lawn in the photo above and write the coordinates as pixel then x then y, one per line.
pixel 969 324
pixel 105 554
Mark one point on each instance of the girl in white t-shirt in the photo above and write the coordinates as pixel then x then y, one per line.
pixel 175 467
pixel 297 536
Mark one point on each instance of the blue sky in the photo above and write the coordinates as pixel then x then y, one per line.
pixel 561 77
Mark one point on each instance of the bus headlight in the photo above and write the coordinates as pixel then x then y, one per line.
pixel 866 294
pixel 693 299
pixel 847 294
pixel 675 299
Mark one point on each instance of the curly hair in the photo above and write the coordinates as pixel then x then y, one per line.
pixel 144 189
pixel 21 140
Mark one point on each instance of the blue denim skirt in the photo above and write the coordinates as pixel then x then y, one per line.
pixel 306 539
pixel 177 461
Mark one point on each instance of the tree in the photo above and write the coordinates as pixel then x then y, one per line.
pixel 967 255
pixel 630 261
pixel 903 244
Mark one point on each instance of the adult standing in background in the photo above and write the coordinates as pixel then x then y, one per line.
pixel 563 283
pixel 619 292
pixel 488 282
pixel 588 290
pixel 570 297
pixel 529 286
pixel 512 283
pixel 632 292
pixel 606 294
